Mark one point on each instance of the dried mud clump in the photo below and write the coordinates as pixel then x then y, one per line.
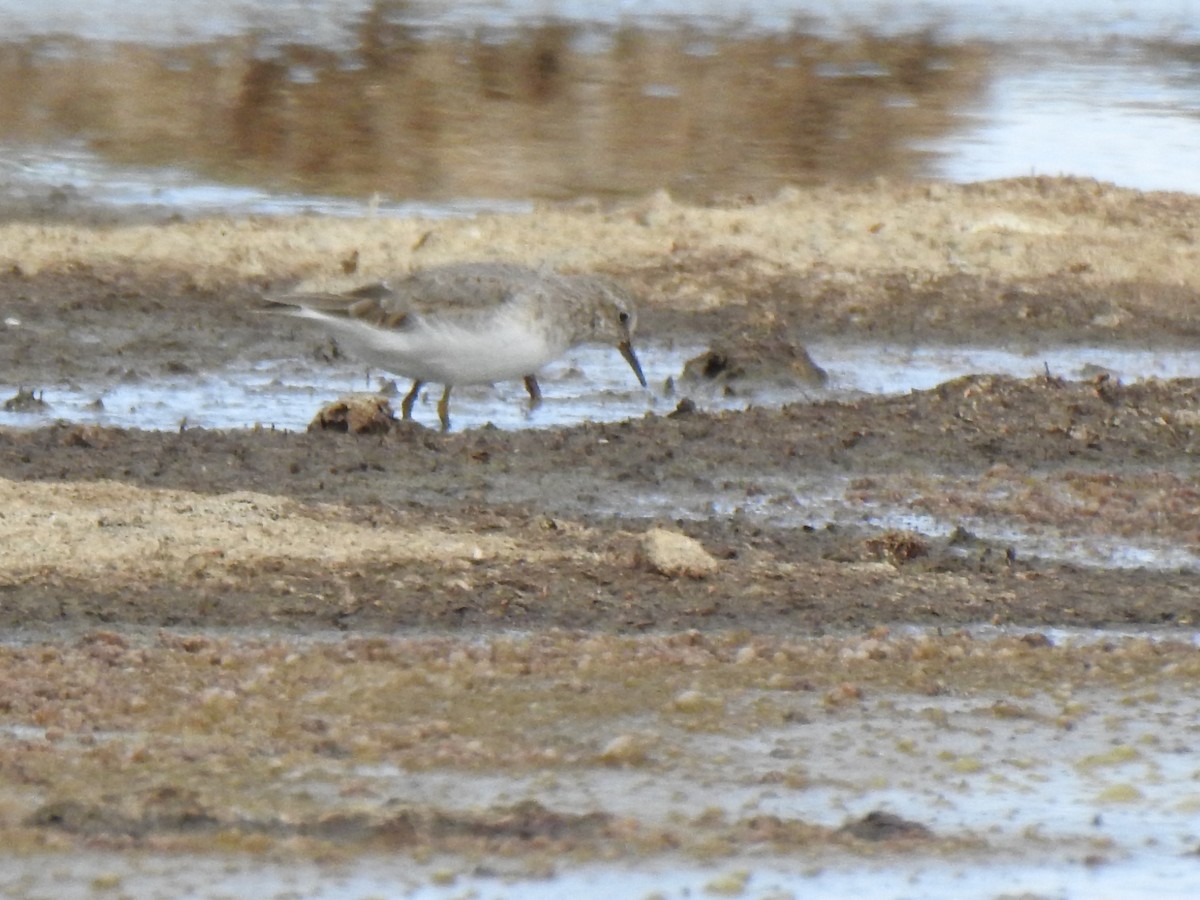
pixel 500 829
pixel 772 360
pixel 25 400
pixel 884 826
pixel 897 547
pixel 356 414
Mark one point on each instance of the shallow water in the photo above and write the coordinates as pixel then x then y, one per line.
pixel 960 91
pixel 822 502
pixel 70 167
pixel 1102 89
pixel 1103 809
pixel 330 22
pixel 1170 877
pixel 588 384
pixel 1122 115
pixel 595 384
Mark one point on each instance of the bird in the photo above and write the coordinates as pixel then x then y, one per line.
pixel 473 323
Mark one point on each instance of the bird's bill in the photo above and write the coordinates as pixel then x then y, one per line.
pixel 626 349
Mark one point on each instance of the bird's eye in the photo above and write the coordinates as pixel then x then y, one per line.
pixel 623 317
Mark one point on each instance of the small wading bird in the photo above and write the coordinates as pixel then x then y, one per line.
pixel 473 323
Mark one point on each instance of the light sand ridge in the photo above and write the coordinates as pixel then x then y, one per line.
pixel 1025 228
pixel 91 528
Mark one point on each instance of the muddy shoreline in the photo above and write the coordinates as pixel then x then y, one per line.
pixel 397 598
pixel 544 491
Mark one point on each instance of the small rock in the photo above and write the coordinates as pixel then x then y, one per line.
pixel 732 884
pixel 623 750
pixel 844 694
pixel 106 881
pixel 674 555
pixel 691 701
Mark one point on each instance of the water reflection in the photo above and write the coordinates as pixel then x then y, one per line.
pixel 553 110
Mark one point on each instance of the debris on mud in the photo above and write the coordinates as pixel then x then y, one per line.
pixel 26 400
pixel 897 547
pixel 735 360
pixel 356 414
pixel 307 639
pixel 885 826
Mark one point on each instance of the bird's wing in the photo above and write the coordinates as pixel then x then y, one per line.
pixel 460 289
pixel 455 292
pixel 374 304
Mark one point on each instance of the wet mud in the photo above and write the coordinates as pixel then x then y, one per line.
pixel 490 601
pixel 543 490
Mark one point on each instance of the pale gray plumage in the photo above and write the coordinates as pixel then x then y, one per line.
pixel 474 323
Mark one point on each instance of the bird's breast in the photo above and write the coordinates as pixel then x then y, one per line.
pixel 448 352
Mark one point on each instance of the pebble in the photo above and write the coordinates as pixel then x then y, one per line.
pixel 624 749
pixel 691 701
pixel 676 555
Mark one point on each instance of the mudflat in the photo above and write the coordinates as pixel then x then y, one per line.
pixel 199 621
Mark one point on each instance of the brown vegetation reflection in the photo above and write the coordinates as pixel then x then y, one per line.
pixel 551 111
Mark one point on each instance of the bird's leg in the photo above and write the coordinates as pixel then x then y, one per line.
pixel 535 392
pixel 443 408
pixel 409 399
